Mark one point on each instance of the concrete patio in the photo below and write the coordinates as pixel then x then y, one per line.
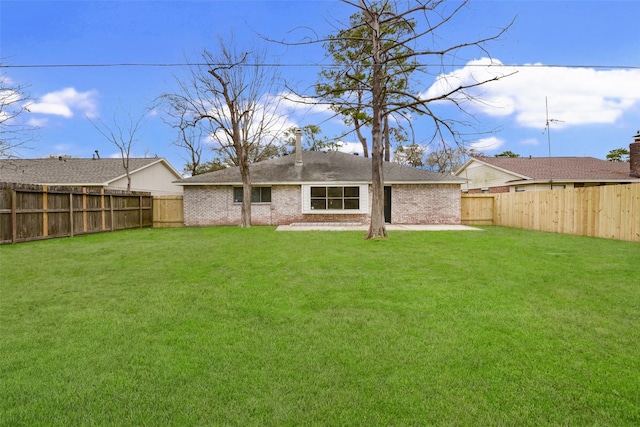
pixel 357 226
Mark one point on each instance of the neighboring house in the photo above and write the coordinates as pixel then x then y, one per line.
pixel 507 174
pixel 327 187
pixel 154 175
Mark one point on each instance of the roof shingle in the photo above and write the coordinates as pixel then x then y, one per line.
pixel 566 168
pixel 332 166
pixel 70 171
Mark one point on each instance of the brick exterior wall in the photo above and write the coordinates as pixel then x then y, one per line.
pixel 425 204
pixel 634 157
pixel 410 204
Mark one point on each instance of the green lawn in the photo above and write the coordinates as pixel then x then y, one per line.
pixel 227 326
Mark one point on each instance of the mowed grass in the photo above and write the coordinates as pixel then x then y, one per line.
pixel 226 326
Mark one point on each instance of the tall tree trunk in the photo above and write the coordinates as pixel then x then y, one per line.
pixel 243 160
pixel 387 140
pixel 245 210
pixel 377 228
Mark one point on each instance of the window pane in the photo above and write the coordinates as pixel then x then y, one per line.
pixel 318 204
pixel 352 204
pixel 237 194
pixel 335 203
pixel 265 195
pixel 334 192
pixel 318 192
pixel 351 191
pixel 255 194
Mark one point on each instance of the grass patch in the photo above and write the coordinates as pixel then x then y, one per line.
pixel 225 326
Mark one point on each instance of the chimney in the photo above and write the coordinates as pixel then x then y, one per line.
pixel 634 156
pixel 298 133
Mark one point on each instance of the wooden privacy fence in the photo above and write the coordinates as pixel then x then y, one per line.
pixel 31 212
pixel 167 211
pixel 611 211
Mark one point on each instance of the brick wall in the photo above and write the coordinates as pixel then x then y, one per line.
pixel 634 157
pixel 425 204
pixel 411 204
pixel 199 203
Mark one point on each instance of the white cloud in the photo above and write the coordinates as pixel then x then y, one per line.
pixel 37 122
pixel 350 147
pixel 66 103
pixel 576 96
pixel 487 144
pixel 269 120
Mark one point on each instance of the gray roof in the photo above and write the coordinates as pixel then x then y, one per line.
pixel 560 168
pixel 72 171
pixel 332 166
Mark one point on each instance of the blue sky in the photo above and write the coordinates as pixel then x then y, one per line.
pixel 582 56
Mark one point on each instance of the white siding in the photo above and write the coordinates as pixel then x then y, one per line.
pixel 483 176
pixel 157 179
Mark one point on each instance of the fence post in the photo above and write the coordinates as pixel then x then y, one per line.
pixel 45 213
pixel 113 227
pixel 14 217
pixel 102 214
pixel 84 209
pixel 140 207
pixel 71 214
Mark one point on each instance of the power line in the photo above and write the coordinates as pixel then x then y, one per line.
pixel 177 64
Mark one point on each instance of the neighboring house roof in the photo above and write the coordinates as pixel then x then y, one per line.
pixel 318 166
pixel 578 169
pixel 72 171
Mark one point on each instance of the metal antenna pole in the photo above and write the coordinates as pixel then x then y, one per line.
pixel 546 102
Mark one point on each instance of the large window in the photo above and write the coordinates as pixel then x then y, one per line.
pixel 258 194
pixel 335 198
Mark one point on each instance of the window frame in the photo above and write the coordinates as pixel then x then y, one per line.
pixel 330 195
pixel 237 194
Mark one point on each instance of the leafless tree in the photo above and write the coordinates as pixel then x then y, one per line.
pixel 190 139
pixel 230 95
pixel 123 130
pixel 449 159
pixel 15 132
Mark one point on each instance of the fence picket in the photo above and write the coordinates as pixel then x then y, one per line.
pixel 32 212
pixel 611 211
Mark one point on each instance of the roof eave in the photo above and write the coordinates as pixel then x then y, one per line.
pixel 227 183
pixel 571 180
pixel 475 159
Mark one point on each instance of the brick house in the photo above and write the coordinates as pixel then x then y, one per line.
pixel 327 187
pixel 507 174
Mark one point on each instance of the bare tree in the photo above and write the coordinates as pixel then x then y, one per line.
pixel 410 155
pixel 124 130
pixel 14 131
pixel 190 139
pixel 390 53
pixel 228 94
pixel 449 159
